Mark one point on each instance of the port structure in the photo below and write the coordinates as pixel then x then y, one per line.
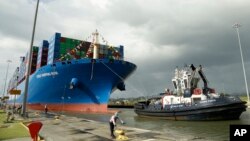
pixel 237 26
pixel 24 114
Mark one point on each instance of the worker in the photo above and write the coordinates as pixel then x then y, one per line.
pixel 112 123
pixel 46 109
pixel 19 109
pixel 167 91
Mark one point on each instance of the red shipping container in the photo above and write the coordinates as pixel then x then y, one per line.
pixel 62 39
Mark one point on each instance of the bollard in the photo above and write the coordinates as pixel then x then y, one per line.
pixel 120 135
pixel 57 117
pixel 34 129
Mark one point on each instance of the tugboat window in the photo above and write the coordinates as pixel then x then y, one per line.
pixel 172 99
pixel 185 82
pixel 196 100
pixel 175 86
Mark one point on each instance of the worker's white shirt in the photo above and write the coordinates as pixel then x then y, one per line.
pixel 114 118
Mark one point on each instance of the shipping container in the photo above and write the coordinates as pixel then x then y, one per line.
pixel 34 59
pixel 121 51
pixel 69 46
pixel 14 80
pixel 42 54
pixel 54 47
pixel 63 48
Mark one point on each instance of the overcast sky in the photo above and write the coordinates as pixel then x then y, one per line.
pixel 158 35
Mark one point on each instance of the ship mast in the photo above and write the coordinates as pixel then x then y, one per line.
pixel 96 44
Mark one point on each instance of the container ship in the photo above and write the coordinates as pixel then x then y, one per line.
pixel 71 75
pixel 189 102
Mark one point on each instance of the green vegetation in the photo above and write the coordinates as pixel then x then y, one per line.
pixel 10 130
pixel 125 101
pixel 243 98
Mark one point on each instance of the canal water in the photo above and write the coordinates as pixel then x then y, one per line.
pixel 198 130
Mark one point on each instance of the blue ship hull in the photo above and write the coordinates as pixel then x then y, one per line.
pixel 96 79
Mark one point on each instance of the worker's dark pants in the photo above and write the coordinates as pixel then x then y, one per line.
pixel 112 126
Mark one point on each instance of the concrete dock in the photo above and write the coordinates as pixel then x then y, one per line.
pixel 68 128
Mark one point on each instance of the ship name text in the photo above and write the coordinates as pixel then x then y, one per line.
pixel 47 74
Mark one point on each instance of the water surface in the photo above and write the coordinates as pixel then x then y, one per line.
pixel 193 130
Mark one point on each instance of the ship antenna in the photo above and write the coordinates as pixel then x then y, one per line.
pixel 95 37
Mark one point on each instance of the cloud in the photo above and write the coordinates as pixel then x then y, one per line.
pixel 158 35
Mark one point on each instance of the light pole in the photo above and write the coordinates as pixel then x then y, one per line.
pixel 29 64
pixel 16 89
pixel 236 26
pixel 8 62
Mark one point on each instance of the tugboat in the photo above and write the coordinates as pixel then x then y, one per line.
pixel 189 102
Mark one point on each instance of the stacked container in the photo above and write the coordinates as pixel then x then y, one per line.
pixel 63 48
pixel 114 53
pixel 121 52
pixel 26 64
pixel 103 51
pixel 42 54
pixel 14 80
pixel 68 49
pixel 106 51
pixel 34 59
pixel 54 47
pixel 22 68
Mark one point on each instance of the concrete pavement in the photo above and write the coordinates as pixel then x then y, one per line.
pixel 68 128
